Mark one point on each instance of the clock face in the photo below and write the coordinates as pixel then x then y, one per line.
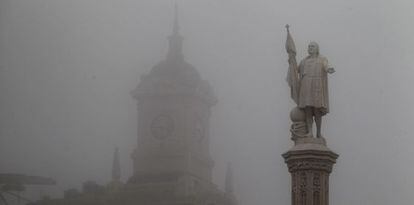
pixel 162 127
pixel 198 130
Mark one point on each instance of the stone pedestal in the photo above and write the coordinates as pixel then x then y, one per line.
pixel 310 162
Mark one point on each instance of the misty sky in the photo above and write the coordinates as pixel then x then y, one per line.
pixel 67 67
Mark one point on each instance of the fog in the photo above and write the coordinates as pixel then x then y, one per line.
pixel 67 69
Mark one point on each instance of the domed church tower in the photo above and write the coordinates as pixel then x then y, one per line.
pixel 172 163
pixel 173 104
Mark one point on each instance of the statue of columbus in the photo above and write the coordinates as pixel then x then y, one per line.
pixel 309 88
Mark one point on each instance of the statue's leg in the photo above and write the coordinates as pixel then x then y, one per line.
pixel 318 122
pixel 309 121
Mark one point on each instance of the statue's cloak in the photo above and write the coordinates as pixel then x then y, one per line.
pixel 313 87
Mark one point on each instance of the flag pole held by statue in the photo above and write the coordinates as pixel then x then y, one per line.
pixel 293 73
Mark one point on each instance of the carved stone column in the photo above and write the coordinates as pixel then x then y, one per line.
pixel 310 162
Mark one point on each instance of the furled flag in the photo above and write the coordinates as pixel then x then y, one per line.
pixel 293 75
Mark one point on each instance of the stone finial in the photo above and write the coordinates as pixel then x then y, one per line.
pixel 116 167
pixel 229 179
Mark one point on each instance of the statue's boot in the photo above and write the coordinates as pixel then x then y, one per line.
pixel 309 134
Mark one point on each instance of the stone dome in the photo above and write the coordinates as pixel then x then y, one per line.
pixel 177 70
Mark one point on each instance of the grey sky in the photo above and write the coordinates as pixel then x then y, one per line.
pixel 67 67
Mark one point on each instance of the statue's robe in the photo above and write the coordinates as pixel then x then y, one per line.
pixel 313 88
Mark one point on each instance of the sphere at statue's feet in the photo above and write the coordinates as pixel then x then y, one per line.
pixel 297 115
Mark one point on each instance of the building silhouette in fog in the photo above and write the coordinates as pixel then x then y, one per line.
pixel 172 162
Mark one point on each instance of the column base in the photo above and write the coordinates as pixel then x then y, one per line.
pixel 310 162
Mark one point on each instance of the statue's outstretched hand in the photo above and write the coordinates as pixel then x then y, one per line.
pixel 331 70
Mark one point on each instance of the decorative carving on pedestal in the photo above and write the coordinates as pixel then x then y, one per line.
pixel 310 163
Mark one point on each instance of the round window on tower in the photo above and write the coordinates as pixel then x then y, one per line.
pixel 162 127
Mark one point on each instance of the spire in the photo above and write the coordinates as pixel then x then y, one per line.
pixel 175 39
pixel 116 167
pixel 229 179
pixel 176 27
